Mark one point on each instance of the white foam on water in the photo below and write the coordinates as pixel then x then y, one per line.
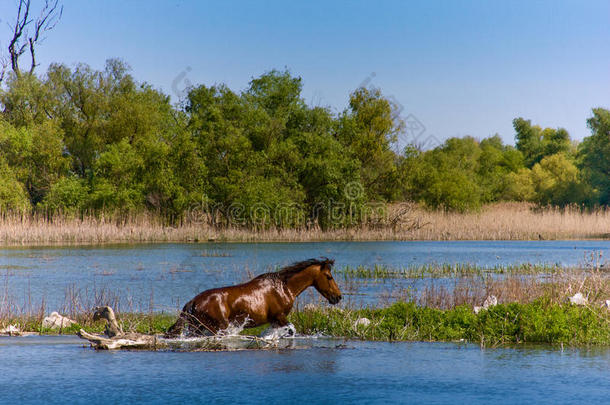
pixel 231 339
pixel 234 329
pixel 271 333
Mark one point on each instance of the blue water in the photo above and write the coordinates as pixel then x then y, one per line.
pixel 165 276
pixel 51 369
pixel 59 370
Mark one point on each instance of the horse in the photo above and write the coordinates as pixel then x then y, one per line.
pixel 267 298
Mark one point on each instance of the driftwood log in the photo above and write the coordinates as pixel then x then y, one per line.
pixel 114 338
pixel 147 342
pixel 208 343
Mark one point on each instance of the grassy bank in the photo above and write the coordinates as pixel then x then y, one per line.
pixel 532 307
pixel 537 322
pixel 507 221
pixel 130 322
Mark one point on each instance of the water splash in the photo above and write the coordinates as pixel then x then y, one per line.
pixel 271 333
pixel 234 329
pixel 231 338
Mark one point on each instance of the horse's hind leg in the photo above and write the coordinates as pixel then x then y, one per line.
pixel 183 321
pixel 203 326
pixel 177 328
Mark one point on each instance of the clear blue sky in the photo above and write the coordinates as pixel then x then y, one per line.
pixel 460 67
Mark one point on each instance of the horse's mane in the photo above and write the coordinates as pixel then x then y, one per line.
pixel 287 272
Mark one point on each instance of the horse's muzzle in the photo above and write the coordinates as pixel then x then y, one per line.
pixel 334 299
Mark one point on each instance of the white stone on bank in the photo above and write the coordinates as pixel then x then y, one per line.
pixel 578 299
pixel 10 330
pixel 490 301
pixel 57 321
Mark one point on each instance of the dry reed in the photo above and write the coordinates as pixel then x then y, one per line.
pixel 506 221
pixel 594 285
pixel 514 221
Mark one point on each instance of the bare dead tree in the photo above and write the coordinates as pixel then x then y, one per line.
pixel 3 64
pixel 3 67
pixel 27 33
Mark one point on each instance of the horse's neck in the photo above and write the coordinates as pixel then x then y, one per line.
pixel 300 281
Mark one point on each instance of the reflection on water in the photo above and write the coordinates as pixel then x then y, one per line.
pixel 167 275
pixel 59 369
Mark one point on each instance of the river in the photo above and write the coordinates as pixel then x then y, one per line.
pixel 59 369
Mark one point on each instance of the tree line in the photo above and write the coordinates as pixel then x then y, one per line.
pixel 78 140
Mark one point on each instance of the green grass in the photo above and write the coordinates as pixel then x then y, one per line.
pixel 131 322
pixel 538 321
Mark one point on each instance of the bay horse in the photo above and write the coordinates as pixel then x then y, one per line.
pixel 267 298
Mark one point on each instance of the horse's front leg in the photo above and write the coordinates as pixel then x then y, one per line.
pixel 280 327
pixel 279 320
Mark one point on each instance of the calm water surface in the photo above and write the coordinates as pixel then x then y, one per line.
pixel 167 275
pixel 58 370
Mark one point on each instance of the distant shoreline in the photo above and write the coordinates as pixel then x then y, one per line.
pixel 503 221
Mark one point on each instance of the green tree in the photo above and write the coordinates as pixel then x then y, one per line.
pixel 446 176
pixel 520 186
pixel 106 116
pixel 36 154
pixel 27 100
pixel 368 129
pixel 13 197
pixel 117 184
pixel 68 196
pixel 557 181
pixel 594 155
pixel 266 150
pixel 535 143
pixel 496 162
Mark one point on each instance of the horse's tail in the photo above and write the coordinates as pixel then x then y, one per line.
pixel 177 328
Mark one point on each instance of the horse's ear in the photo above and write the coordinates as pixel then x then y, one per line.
pixel 326 262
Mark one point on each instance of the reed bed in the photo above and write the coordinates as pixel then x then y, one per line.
pixel 505 221
pixel 554 288
pixel 514 221
pixel 444 270
pixel 27 314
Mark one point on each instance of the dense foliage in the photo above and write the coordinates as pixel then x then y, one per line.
pixel 78 141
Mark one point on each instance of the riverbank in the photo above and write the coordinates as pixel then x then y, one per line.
pixel 506 221
pixel 535 322
pixel 525 304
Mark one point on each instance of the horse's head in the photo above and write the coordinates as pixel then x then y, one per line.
pixel 325 283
